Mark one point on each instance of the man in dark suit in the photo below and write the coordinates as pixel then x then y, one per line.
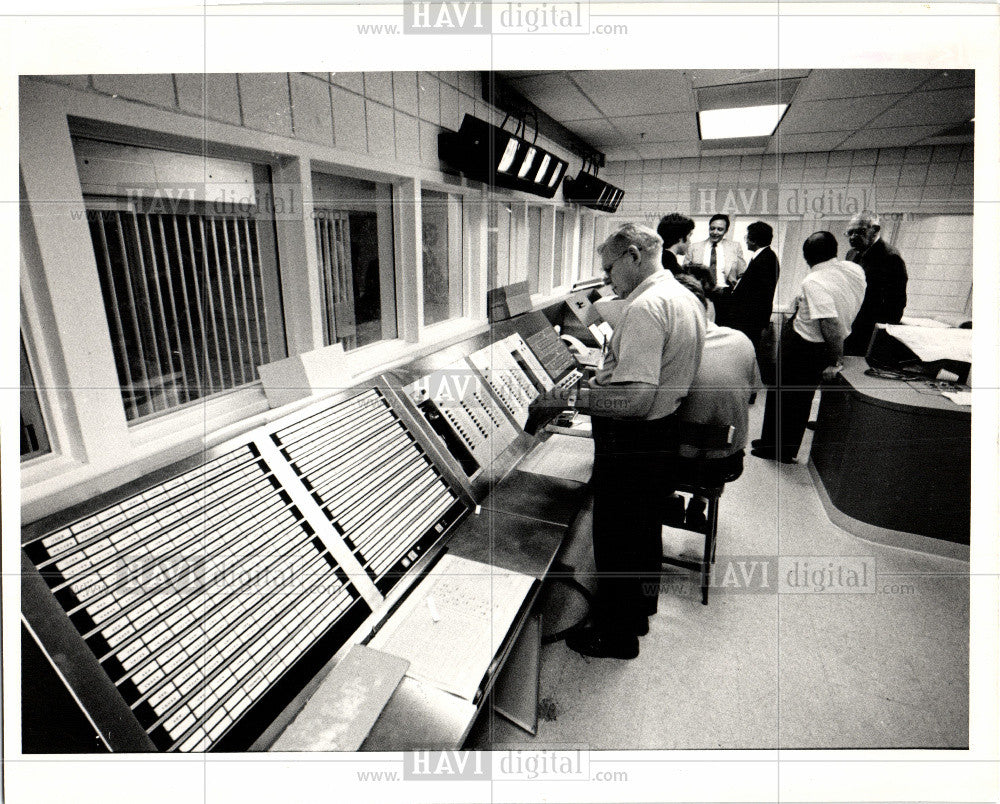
pixel 885 272
pixel 748 307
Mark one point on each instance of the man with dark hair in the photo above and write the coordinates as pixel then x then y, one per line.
pixel 675 230
pixel 812 345
pixel 748 307
pixel 723 257
pixel 885 273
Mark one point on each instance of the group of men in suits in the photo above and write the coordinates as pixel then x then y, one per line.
pixel 741 293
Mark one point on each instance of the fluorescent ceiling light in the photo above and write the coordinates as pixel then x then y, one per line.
pixel 750 121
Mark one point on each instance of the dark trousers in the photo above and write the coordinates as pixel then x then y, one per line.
pixel 786 411
pixel 633 474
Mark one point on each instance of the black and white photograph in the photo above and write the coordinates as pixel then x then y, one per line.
pixel 611 416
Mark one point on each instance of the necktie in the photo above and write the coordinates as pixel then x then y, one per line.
pixel 713 265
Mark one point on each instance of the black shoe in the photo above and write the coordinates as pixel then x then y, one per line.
pixel 673 511
pixel 759 444
pixel 602 645
pixel 637 625
pixel 772 455
pixel 695 518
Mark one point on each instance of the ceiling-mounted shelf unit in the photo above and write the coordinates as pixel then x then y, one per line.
pixel 590 191
pixel 493 155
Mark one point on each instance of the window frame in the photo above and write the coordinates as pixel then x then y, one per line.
pixel 459 254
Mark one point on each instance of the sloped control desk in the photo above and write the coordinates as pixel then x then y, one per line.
pixel 197 608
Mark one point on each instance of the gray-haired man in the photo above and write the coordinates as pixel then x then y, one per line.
pixel 648 368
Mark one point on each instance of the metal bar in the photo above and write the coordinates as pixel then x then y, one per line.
pixel 322 228
pixel 159 302
pixel 187 309
pixel 222 309
pixel 258 312
pixel 202 354
pixel 232 299
pixel 254 361
pixel 210 307
pixel 147 300
pixel 135 320
pixel 132 411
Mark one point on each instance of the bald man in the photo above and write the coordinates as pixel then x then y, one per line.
pixel 812 345
pixel 885 274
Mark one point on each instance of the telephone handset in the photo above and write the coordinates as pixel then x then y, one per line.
pixel 575 346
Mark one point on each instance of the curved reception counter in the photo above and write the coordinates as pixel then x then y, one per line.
pixel 895 455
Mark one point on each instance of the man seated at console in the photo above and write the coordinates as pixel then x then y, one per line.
pixel 719 396
pixel 648 367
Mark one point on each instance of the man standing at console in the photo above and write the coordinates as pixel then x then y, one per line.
pixel 885 273
pixel 812 345
pixel 650 363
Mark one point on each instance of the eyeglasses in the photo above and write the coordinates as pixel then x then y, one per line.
pixel 858 231
pixel 607 268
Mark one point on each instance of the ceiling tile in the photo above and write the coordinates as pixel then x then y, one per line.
pixel 887 137
pixel 632 92
pixel 826 84
pixel 621 152
pixel 668 150
pixel 948 79
pixel 712 78
pixel 555 95
pixel 659 127
pixel 941 109
pixel 799 143
pixel 596 132
pixel 846 114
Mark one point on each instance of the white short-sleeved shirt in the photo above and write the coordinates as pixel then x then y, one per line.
pixel 726 377
pixel 832 289
pixel 658 341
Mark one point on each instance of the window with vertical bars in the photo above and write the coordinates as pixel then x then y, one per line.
pixel 191 296
pixel 354 244
pixel 34 436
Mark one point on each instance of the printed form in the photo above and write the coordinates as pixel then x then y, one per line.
pixel 452 625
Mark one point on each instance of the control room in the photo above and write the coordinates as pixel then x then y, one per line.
pixel 315 375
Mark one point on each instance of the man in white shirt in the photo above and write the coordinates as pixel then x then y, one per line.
pixel 812 346
pixel 724 258
pixel 650 363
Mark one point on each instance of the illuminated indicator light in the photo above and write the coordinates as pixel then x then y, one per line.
pixel 526 164
pixel 508 156
pixel 542 168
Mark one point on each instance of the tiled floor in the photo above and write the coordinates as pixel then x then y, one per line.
pixel 756 669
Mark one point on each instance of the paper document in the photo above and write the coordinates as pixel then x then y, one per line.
pixel 561 456
pixel 930 344
pixel 959 397
pixel 452 625
pixel 611 310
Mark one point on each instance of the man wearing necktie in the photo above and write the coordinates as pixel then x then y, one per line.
pixel 724 261
pixel 723 257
